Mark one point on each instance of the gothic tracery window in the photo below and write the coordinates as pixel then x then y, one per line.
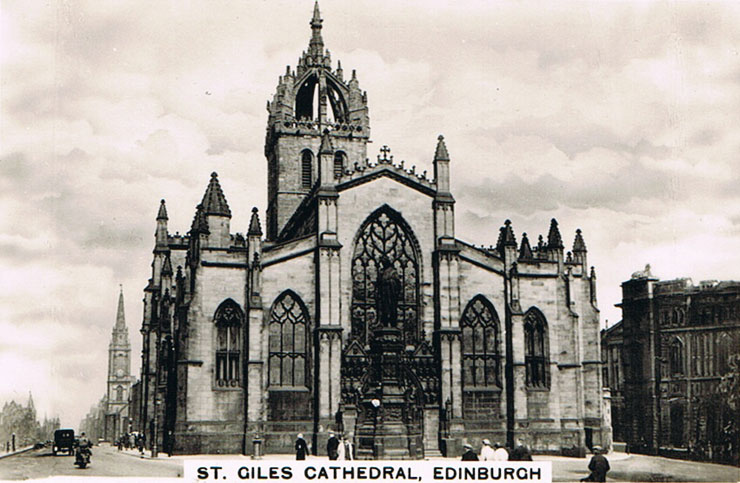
pixel 480 345
pixel 536 349
pixel 288 343
pixel 384 234
pixel 228 320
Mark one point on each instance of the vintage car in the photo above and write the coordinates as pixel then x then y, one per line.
pixel 64 440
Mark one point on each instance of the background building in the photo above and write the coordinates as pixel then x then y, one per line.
pixel 672 367
pixel 268 333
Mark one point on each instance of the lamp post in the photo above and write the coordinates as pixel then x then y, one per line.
pixel 155 437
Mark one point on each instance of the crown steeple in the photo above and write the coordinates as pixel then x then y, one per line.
pixel 316 45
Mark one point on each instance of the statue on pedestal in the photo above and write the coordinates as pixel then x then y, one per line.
pixel 388 288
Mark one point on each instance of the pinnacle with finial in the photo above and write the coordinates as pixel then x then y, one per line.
pixel 255 229
pixel 214 201
pixel 441 153
pixel 162 214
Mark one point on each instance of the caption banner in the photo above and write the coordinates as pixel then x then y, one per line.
pixel 376 471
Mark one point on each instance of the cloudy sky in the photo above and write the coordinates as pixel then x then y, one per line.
pixel 618 118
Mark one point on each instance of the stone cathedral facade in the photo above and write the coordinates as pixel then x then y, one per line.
pixel 265 335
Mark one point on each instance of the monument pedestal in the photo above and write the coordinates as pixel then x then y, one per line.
pixel 384 432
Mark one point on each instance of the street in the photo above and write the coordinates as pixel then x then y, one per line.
pixel 106 461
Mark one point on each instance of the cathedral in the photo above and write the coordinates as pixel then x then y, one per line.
pixel 351 306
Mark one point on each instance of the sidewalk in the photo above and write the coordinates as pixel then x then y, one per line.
pixel 18 451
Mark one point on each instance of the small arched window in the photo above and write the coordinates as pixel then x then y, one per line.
pixel 536 349
pixel 228 320
pixel 119 393
pixel 306 169
pixel 339 162
pixel 676 357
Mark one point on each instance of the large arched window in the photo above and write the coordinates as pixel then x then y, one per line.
pixel 385 235
pixel 288 358
pixel 480 345
pixel 339 162
pixel 306 169
pixel 228 320
pixel 676 357
pixel 536 349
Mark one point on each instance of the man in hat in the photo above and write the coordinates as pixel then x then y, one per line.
pixel 468 453
pixel 332 446
pixel 598 465
pixel 486 452
pixel 500 453
pixel 301 447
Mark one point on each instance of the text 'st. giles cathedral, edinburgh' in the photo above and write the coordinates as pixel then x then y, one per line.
pixel 356 309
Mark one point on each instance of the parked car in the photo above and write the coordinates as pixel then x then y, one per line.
pixel 64 440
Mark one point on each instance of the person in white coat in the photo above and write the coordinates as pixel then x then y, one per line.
pixel 486 452
pixel 500 453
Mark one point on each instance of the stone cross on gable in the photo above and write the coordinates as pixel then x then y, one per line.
pixel 385 150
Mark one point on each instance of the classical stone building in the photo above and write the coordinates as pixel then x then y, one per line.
pixel 671 365
pixel 119 378
pixel 270 333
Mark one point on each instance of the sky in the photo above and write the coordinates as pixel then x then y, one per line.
pixel 619 118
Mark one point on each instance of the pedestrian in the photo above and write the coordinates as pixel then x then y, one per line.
pixel 140 444
pixel 301 447
pixel 500 453
pixel 341 456
pixel 468 453
pixel 349 449
pixel 486 452
pixel 331 446
pixel 598 465
pixel 520 453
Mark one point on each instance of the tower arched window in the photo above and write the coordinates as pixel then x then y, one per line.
pixel 480 345
pixel 339 162
pixel 676 357
pixel 288 358
pixel 229 319
pixel 119 393
pixel 536 346
pixel 306 169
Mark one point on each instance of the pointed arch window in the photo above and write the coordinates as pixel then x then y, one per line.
pixel 385 234
pixel 536 346
pixel 339 162
pixel 480 345
pixel 306 169
pixel 288 358
pixel 676 357
pixel 228 319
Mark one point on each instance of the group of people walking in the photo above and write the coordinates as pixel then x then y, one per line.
pixel 496 452
pixel 337 448
pixel 598 466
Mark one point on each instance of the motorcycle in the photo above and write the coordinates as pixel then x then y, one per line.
pixel 82 457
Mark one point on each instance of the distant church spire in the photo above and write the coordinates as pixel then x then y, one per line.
pixel 120 316
pixel 316 46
